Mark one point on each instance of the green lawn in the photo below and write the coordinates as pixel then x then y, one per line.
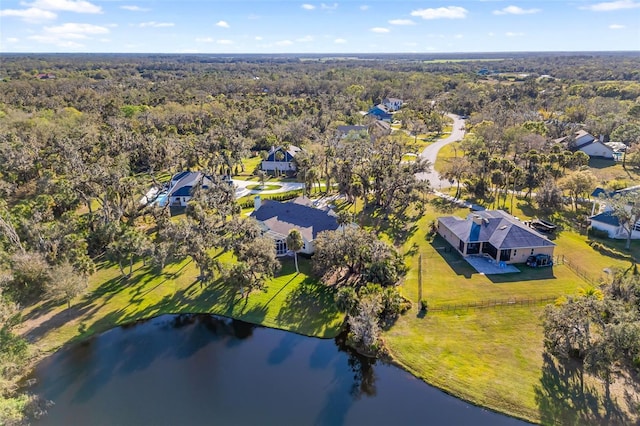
pixel 489 356
pixel 295 302
pixel 266 187
pixel 609 170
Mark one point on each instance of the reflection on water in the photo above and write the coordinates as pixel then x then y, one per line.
pixel 202 369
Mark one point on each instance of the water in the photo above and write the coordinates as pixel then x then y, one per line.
pixel 205 370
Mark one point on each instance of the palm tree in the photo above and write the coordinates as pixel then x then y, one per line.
pixel 295 243
pixel 344 218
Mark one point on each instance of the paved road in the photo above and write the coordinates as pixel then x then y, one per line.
pixel 431 153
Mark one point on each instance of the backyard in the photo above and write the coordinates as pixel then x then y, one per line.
pixel 491 356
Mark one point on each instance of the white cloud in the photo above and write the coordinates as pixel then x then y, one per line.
pixel 308 6
pixel 451 12
pixel 612 5
pixel 204 40
pixel 224 41
pixel 364 7
pixel 380 30
pixel 340 41
pixel 305 39
pixel 135 8
pixel 154 24
pixel 328 6
pixel 32 15
pixel 284 43
pixel 78 6
pixel 617 27
pixel 67 35
pixel 13 40
pixel 401 22
pixel 512 34
pixel 515 10
pixel 258 38
pixel 491 34
pixel 222 24
pixel 458 36
pixel 72 30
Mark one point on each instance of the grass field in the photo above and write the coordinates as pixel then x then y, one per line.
pixel 609 170
pixel 294 302
pixel 489 356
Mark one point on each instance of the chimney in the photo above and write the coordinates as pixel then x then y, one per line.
pixel 477 219
pixel 257 202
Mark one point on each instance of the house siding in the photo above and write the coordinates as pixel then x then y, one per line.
pixel 449 236
pixel 284 166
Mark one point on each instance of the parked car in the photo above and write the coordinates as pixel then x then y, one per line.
pixel 539 260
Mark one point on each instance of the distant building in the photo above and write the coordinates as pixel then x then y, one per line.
pixel 182 186
pixel 587 143
pixel 381 112
pixel 45 76
pixel 280 159
pixel 392 104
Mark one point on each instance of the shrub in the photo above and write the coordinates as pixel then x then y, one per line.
pixel 597 233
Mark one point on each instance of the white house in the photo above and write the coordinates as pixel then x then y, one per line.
pixel 606 221
pixel 392 104
pixel 589 144
pixel 280 159
pixel 277 219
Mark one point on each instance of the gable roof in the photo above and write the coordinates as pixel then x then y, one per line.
pixel 281 218
pixel 500 229
pixel 607 218
pixel 182 183
pixel 289 153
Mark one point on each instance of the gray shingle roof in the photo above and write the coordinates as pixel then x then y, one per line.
pixel 502 230
pixel 283 217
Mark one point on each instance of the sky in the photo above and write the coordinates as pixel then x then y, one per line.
pixel 347 26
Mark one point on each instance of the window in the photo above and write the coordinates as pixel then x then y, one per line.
pixel 532 252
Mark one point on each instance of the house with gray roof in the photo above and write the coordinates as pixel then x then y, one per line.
pixel 183 184
pixel 277 219
pixel 495 234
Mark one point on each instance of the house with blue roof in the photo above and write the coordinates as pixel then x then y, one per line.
pixel 182 186
pixel 277 219
pixel 495 234
pixel 381 112
pixel 605 220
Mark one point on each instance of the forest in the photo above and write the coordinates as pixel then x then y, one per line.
pixel 83 137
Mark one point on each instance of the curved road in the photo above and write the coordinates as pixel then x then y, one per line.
pixel 430 153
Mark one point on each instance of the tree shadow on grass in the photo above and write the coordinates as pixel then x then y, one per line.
pixel 310 306
pixel 526 274
pixel 455 261
pixel 564 398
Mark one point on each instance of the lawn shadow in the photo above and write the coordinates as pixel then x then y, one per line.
pixel 310 304
pixel 526 274
pixel 564 398
pixel 450 255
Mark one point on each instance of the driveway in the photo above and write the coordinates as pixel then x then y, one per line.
pixel 242 190
pixel 430 153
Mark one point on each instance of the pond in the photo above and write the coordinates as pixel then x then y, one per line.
pixel 207 370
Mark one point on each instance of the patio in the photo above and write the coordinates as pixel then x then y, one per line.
pixel 488 266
